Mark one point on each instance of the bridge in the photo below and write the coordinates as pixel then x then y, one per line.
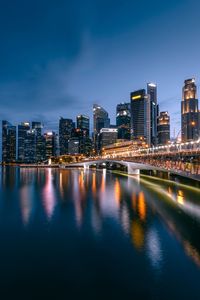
pixel 133 168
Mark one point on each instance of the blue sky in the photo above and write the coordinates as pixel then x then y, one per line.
pixel 57 58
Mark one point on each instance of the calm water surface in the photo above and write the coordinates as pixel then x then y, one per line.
pixel 70 234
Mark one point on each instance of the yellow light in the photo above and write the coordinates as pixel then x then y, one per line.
pixel 136 97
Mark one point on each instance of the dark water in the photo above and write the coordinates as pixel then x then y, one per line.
pixel 70 234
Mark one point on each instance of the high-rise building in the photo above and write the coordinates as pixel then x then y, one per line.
pixel 189 112
pixel 152 92
pixel 8 142
pixel 30 146
pixel 123 120
pixel 74 145
pixel 39 140
pixel 82 132
pixel 107 137
pixel 66 127
pixel 140 116
pixel 23 128
pixel 163 128
pixel 83 123
pixel 50 144
pixel 100 120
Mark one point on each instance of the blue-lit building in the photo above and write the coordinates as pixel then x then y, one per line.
pixel 8 142
pixel 23 128
pixel 66 128
pixel 140 116
pixel 123 120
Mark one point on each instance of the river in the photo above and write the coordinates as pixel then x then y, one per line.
pixel 75 234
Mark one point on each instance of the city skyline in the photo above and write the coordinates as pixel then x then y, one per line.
pixel 60 68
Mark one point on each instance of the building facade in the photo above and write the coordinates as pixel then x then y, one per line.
pixel 123 120
pixel 8 142
pixel 189 112
pixel 100 120
pixel 163 128
pixel 152 93
pixel 23 128
pixel 140 116
pixel 107 136
pixel 66 127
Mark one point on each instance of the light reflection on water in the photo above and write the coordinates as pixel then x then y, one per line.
pixel 137 213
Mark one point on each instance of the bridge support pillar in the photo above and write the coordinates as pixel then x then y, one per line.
pixel 86 167
pixel 133 171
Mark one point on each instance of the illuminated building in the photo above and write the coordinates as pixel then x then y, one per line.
pixel 66 127
pixel 107 136
pixel 123 120
pixel 40 141
pixel 8 142
pixel 122 148
pixel 100 120
pixel 163 128
pixel 140 116
pixel 23 128
pixel 189 112
pixel 30 147
pixel 152 92
pixel 83 123
pixel 50 144
pixel 83 128
pixel 73 145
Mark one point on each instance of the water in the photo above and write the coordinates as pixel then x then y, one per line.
pixel 70 234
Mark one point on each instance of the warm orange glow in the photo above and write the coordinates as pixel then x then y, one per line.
pixel 137 235
pixel 142 206
pixel 180 197
pixel 117 190
pixel 94 187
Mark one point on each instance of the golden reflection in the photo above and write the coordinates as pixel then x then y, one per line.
pixel 94 186
pixel 142 206
pixel 117 190
pixel 103 181
pixel 180 197
pixel 169 190
pixel 81 182
pixel 137 235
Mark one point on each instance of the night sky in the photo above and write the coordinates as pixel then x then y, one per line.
pixel 57 58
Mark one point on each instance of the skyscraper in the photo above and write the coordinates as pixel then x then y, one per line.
pixel 107 136
pixel 83 132
pixel 66 127
pixel 83 123
pixel 39 141
pixel 100 120
pixel 189 111
pixel 163 128
pixel 30 146
pixel 23 128
pixel 50 144
pixel 8 142
pixel 140 116
pixel 152 92
pixel 123 120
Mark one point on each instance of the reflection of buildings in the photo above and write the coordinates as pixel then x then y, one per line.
pixel 49 200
